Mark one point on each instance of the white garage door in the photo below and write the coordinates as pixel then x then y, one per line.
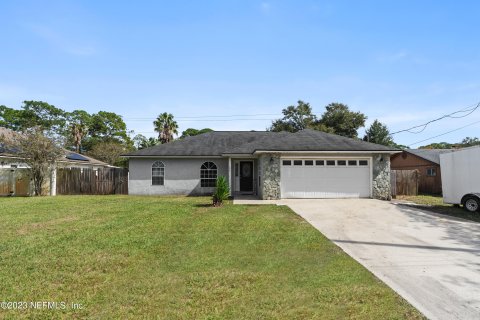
pixel 325 178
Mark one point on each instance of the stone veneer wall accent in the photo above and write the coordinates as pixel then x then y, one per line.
pixel 381 177
pixel 269 176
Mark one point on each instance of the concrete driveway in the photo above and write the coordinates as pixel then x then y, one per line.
pixel 430 260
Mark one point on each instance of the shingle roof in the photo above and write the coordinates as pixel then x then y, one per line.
pixel 432 155
pixel 207 144
pixel 217 143
pixel 309 140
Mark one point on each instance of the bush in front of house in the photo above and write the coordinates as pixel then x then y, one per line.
pixel 222 191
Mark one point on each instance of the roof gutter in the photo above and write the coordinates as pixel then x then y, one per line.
pixel 320 152
pixel 161 156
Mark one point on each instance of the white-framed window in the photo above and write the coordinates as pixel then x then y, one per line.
pixel 363 162
pixel 297 162
pixel 208 175
pixel 287 162
pixel 158 173
pixel 431 172
pixel 319 162
pixel 352 163
pixel 330 162
pixel 341 162
pixel 308 162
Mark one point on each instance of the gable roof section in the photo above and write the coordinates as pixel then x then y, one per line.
pixel 432 155
pixel 207 144
pixel 309 140
pixel 219 143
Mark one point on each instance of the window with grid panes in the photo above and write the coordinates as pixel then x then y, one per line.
pixel 158 173
pixel 208 175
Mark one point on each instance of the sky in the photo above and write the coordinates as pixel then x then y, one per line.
pixel 234 65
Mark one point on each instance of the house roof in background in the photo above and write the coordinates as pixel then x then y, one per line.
pixel 432 155
pixel 69 157
pixel 219 143
pixel 73 157
pixel 8 135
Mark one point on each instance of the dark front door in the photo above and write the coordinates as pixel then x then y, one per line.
pixel 246 176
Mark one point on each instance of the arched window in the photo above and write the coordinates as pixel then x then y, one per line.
pixel 158 173
pixel 208 175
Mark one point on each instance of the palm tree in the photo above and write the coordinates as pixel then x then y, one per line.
pixel 78 130
pixel 166 127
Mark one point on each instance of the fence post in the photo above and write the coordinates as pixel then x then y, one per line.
pixel 13 184
pixel 53 181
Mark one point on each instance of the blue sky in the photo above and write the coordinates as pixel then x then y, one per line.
pixel 403 62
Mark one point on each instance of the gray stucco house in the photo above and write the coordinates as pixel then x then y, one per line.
pixel 269 165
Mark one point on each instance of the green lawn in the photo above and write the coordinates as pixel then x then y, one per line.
pixel 436 204
pixel 177 258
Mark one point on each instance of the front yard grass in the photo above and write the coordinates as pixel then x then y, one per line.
pixel 178 258
pixel 436 204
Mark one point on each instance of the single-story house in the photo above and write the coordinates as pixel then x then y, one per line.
pixel 269 165
pixel 427 162
pixel 15 179
pixel 10 159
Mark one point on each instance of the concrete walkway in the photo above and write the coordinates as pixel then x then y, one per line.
pixel 431 260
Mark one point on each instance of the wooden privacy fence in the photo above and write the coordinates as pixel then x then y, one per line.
pixel 404 182
pixel 15 182
pixel 89 181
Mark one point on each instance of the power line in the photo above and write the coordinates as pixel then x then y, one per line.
pixel 204 120
pixel 212 116
pixel 469 111
pixel 468 125
pixel 209 117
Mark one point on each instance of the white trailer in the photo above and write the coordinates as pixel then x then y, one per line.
pixel 461 177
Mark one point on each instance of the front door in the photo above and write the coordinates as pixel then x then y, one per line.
pixel 246 176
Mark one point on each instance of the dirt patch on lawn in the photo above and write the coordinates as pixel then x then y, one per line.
pixel 31 227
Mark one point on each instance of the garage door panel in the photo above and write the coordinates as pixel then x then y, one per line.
pixel 325 181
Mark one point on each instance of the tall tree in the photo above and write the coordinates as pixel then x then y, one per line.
pixel 469 142
pixel 44 116
pixel 378 133
pixel 79 122
pixel 37 151
pixel 166 127
pixel 108 125
pixel 109 152
pixel 342 121
pixel 437 145
pixel 295 118
pixel 194 132
pixel 10 118
pixel 142 142
pixel 104 127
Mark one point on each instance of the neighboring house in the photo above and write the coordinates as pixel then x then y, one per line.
pixel 17 181
pixel 10 159
pixel 270 165
pixel 427 162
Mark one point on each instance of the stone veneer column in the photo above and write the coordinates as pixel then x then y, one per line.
pixel 381 177
pixel 270 176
